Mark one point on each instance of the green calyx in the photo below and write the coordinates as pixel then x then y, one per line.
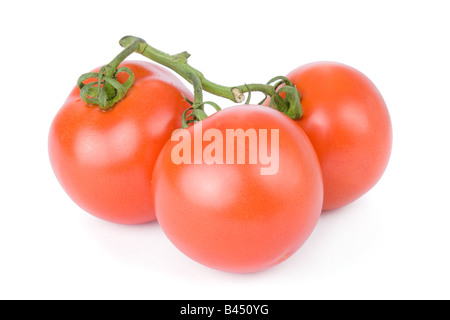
pixel 290 104
pixel 107 90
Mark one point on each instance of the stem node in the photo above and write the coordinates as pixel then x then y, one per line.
pixel 238 95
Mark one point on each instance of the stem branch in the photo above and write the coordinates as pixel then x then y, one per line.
pixel 107 90
pixel 178 63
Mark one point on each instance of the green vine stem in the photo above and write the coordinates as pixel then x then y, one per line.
pixel 107 91
pixel 289 104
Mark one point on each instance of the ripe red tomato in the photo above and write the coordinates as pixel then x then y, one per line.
pixel 348 123
pixel 104 159
pixel 238 207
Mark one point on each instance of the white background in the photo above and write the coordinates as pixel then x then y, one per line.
pixel 391 244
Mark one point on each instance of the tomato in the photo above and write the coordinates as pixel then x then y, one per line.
pixel 240 191
pixel 348 123
pixel 104 159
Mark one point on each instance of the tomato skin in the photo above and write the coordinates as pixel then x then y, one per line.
pixel 348 123
pixel 104 159
pixel 230 217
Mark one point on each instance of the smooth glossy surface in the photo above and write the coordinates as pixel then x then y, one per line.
pixel 348 123
pixel 229 216
pixel 104 160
